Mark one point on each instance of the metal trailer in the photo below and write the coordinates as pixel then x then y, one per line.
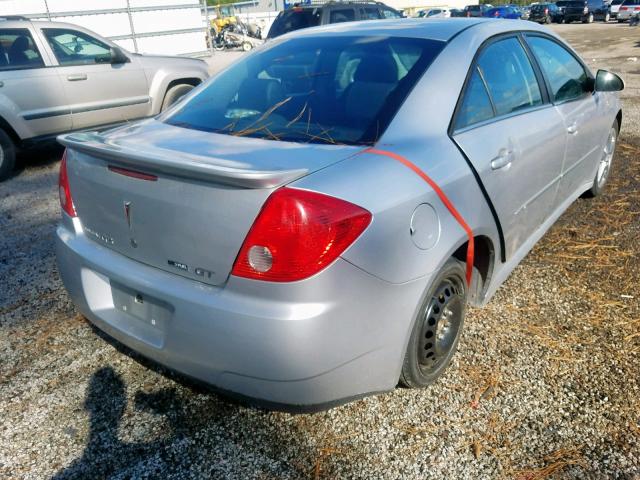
pixel 169 27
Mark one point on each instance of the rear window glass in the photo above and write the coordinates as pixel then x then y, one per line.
pixel 570 4
pixel 335 90
pixel 295 19
pixel 631 2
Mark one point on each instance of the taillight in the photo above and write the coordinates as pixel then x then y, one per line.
pixel 546 11
pixel 297 234
pixel 66 202
pixel 496 14
pixel 623 8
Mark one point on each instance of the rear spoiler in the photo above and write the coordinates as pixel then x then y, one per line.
pixel 178 164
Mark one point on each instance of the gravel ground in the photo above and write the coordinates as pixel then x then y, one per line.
pixel 546 382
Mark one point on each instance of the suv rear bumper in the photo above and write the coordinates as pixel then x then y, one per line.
pixel 305 345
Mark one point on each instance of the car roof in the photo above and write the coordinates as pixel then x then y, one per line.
pixel 429 28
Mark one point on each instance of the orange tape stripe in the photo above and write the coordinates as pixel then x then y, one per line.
pixel 443 198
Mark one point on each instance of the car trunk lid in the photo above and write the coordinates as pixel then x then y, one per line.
pixel 177 199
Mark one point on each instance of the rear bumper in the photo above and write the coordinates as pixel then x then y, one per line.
pixel 338 335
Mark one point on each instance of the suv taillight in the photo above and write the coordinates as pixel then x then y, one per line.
pixel 546 11
pixel 297 234
pixel 66 202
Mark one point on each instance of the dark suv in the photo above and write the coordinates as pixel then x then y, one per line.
pixel 584 11
pixel 312 15
pixel 476 10
pixel 545 13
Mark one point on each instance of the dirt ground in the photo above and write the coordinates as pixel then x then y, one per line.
pixel 546 383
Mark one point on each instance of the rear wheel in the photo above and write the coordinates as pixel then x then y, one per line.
pixel 246 46
pixel 7 155
pixel 174 94
pixel 604 167
pixel 436 331
pixel 607 17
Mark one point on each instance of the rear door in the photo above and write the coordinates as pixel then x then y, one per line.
pixel 513 137
pixel 100 93
pixel 571 92
pixel 28 87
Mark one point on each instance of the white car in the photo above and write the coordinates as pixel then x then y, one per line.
pixel 440 12
pixel 628 9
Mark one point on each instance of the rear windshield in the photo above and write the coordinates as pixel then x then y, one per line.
pixel 631 2
pixel 539 7
pixel 570 4
pixel 294 19
pixel 473 8
pixel 617 2
pixel 336 90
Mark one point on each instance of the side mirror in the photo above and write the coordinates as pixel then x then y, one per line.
pixel 608 82
pixel 118 56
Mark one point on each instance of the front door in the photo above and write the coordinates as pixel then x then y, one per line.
pixel 572 94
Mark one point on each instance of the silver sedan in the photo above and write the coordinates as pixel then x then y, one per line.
pixel 309 226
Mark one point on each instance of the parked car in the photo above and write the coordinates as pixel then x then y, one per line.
pixel 614 7
pixel 440 12
pixel 545 13
pixel 58 77
pixel 583 11
pixel 628 9
pixel 325 217
pixel 476 10
pixel 457 12
pixel 503 12
pixel 526 12
pixel 304 16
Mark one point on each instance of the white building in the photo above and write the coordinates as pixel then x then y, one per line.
pixel 170 27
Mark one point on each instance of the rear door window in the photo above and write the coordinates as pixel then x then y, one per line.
pixel 566 76
pixel 370 13
pixel 295 19
pixel 509 76
pixel 342 15
pixel 476 106
pixel 388 13
pixel 17 50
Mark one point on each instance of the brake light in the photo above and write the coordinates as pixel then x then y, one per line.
pixel 496 14
pixel 297 234
pixel 546 11
pixel 66 202
pixel 623 8
pixel 636 8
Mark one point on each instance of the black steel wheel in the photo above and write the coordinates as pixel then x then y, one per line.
pixel 437 328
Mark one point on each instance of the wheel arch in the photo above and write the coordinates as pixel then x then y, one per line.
pixel 483 264
pixel 6 126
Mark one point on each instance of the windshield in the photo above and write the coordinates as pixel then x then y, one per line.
pixel 338 90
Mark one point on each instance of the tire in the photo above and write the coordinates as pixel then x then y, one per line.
pixel 174 94
pixel 437 328
pixel 7 155
pixel 604 167
pixel 606 19
pixel 246 46
pixel 590 18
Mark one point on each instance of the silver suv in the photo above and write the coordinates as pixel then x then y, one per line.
pixel 58 77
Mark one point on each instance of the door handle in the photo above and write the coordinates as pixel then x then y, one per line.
pixel 504 159
pixel 573 128
pixel 77 77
